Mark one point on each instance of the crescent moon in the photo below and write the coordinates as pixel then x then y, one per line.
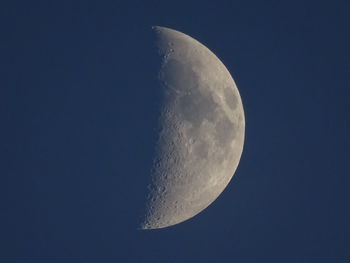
pixel 201 132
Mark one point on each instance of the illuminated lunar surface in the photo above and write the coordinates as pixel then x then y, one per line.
pixel 201 131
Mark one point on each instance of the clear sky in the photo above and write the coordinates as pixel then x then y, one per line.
pixel 78 106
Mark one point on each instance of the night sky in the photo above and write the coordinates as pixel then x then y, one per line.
pixel 78 111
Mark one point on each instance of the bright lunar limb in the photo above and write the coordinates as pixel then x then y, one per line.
pixel 201 131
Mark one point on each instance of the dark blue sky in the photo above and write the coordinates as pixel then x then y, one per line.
pixel 78 107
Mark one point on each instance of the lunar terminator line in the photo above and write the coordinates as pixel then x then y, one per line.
pixel 201 131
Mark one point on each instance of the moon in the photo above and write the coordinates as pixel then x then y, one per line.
pixel 201 131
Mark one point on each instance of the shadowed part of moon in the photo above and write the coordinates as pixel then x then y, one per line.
pixel 201 131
